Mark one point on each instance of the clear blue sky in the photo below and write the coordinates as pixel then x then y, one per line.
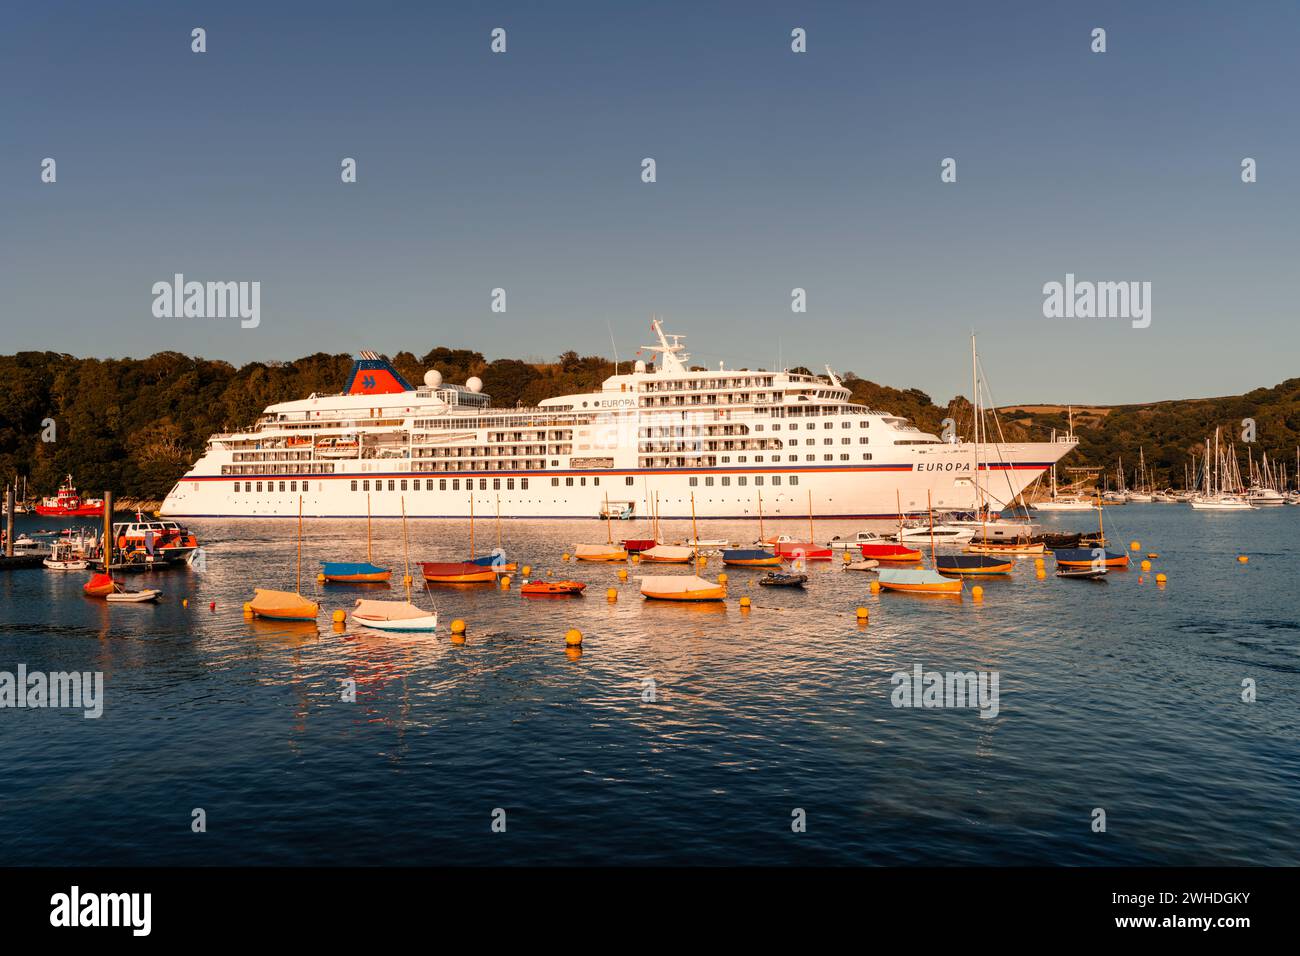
pixel 775 170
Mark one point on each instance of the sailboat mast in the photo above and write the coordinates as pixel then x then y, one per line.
pixel 298 584
pixel 406 554
pixel 609 527
pixel 471 526
pixel 811 539
pixel 760 517
pixel 368 557
pixel 695 535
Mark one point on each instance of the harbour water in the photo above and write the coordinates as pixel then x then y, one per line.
pixel 1123 695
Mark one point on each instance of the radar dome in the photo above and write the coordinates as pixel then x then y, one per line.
pixel 640 365
pixel 433 378
pixel 474 384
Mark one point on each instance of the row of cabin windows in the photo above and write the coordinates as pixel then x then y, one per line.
pixel 396 485
pixel 776 427
pixel 744 480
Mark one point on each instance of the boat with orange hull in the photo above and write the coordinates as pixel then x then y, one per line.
pixel 918 581
pixel 286 605
pixel 891 553
pixel 552 588
pixel 750 558
pixel 356 572
pixel 362 572
pixel 807 550
pixel 1090 558
pixel 67 503
pixel 456 572
pixel 283 605
pixel 99 585
pixel 668 554
pixel 681 587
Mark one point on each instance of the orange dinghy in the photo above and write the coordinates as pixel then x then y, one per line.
pixel 457 572
pixel 599 552
pixel 100 585
pixel 544 588
pixel 283 605
pixel 681 587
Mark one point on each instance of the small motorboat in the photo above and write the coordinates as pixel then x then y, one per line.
pixel 783 579
pixel 1089 558
pixel 750 558
pixel 851 544
pixel 394 616
pixel 599 552
pixel 344 572
pixel 891 553
pixel 63 557
pixel 971 565
pixel 457 572
pixel 867 564
pixel 919 581
pixel 99 585
pixel 283 605
pixel 552 588
pixel 142 596
pixel 681 587
pixel 1084 574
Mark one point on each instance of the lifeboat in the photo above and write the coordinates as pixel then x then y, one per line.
pixel 891 553
pixel 457 572
pixel 549 588
pixel 681 587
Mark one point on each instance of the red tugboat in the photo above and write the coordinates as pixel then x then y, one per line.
pixel 68 504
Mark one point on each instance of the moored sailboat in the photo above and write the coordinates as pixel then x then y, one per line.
pixel 345 572
pixel 286 605
pixel 397 615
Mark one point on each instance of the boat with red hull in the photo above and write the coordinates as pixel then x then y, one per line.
pixel 67 503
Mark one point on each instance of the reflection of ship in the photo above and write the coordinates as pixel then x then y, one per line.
pixel 667 429
pixel 68 504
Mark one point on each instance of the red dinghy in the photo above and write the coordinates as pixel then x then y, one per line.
pixel 636 545
pixel 890 552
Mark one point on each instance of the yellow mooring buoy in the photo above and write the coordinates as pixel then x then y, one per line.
pixel 977 593
pixel 573 637
pixel 612 594
pixel 339 617
pixel 861 613
pixel 458 626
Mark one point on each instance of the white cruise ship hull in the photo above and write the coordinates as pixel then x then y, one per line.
pixel 941 474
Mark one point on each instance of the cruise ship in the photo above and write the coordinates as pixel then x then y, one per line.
pixel 663 434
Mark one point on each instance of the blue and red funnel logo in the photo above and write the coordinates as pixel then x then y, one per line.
pixel 374 375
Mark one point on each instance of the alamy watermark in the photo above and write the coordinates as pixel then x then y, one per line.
pixel 59 689
pixel 179 299
pixel 1084 299
pixel 954 689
